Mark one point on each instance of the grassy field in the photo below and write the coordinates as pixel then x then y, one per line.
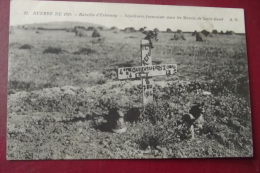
pixel 55 98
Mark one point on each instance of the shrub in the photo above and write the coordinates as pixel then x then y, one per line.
pixel 154 136
pixel 168 30
pixel 53 50
pixel 214 32
pixel 156 30
pixel 96 33
pixel 26 46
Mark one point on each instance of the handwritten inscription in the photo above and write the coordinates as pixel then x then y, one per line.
pixel 147 90
pixel 146 71
pixel 146 55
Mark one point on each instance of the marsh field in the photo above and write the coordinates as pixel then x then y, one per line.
pixel 60 88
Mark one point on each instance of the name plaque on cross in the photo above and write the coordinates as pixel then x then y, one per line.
pixel 146 71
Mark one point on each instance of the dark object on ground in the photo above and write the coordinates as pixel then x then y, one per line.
pixel 26 46
pixel 141 29
pixel 194 118
pixel 96 33
pixel 200 37
pixel 205 32
pixel 214 31
pixel 104 127
pixel 132 115
pixel 178 36
pixel 114 122
pixel 80 31
pixel 197 110
pixel 53 50
pixel 113 116
pixel 188 119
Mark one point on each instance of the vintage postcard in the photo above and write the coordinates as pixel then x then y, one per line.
pixel 126 81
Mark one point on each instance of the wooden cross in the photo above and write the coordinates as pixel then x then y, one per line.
pixel 146 71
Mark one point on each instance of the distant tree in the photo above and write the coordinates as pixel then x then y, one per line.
pixel 214 31
pixel 91 28
pixel 205 32
pixel 168 30
pixel 194 33
pixel 132 29
pixel 129 29
pixel 40 28
pixel 178 36
pixel 230 32
pixel 179 31
pixel 141 29
pixel 227 32
pixel 156 30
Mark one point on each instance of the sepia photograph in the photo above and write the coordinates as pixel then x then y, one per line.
pixel 127 81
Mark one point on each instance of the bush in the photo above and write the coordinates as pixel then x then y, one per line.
pixel 53 50
pixel 26 46
pixel 168 30
pixel 155 113
pixel 153 136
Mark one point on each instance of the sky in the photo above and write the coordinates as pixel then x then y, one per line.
pixel 128 15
